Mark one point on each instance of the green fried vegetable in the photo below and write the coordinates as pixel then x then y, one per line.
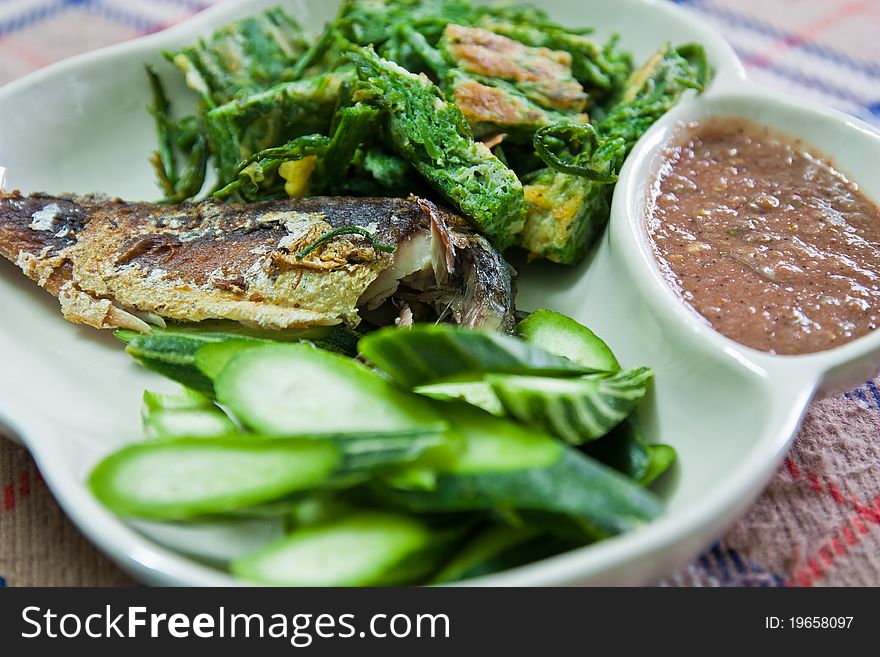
pixel 434 137
pixel 581 141
pixel 245 126
pixel 256 175
pixel 565 212
pixel 602 70
pixel 187 136
pixel 250 54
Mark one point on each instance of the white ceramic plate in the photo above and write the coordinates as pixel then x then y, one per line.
pixel 71 394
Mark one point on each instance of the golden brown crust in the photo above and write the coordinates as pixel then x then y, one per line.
pixel 491 55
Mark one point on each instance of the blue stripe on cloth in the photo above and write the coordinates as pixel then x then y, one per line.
pixel 815 82
pixel 874 393
pixel 128 19
pixel 737 19
pixel 35 15
pixel 195 5
pixel 721 562
pixel 861 395
pixel 732 569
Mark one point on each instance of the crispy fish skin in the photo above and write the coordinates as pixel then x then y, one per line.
pixel 114 264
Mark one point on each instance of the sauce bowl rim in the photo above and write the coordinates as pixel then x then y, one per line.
pixel 629 227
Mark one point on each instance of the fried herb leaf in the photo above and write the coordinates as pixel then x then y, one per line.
pixel 433 136
pixel 245 126
pixel 250 54
pixel 566 212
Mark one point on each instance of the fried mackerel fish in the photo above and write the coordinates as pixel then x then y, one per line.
pixel 276 264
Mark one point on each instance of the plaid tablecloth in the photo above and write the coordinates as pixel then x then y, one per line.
pixel 818 523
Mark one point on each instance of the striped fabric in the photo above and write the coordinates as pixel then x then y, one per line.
pixel 818 523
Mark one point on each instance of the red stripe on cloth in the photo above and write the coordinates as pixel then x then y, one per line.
pixel 9 497
pixel 36 59
pixel 835 493
pixel 792 468
pixel 23 483
pixel 833 548
pixel 808 33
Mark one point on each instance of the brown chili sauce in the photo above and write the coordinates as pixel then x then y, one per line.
pixel 764 238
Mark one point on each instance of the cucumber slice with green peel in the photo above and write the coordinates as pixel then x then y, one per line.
pixel 172 355
pixel 498 548
pixel 287 390
pixel 172 352
pixel 577 410
pixel 661 458
pixel 192 477
pixel 186 398
pixel 623 448
pixel 211 358
pixel 504 465
pixel 472 559
pixel 187 414
pixel 428 353
pixel 187 423
pixel 478 393
pixel 365 549
pixel 365 451
pixel 626 450
pixel 484 443
pixel 563 336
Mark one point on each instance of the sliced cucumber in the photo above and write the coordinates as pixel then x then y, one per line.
pixel 623 448
pixel 661 458
pixel 185 398
pixel 563 336
pixel 575 409
pixel 172 352
pixel 427 354
pixel 498 548
pixel 286 390
pixel 478 393
pixel 184 415
pixel 505 466
pixel 188 423
pixel 364 451
pixel 366 549
pixel 211 358
pixel 187 478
